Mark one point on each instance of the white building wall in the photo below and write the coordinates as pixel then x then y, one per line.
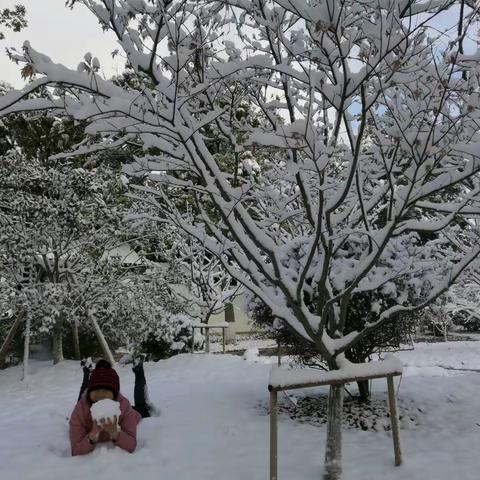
pixel 243 324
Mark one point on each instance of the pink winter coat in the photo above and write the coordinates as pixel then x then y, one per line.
pixel 81 423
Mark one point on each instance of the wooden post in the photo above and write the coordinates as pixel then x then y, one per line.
pixel 273 436
pixel 57 344
pixel 26 349
pixel 207 344
pixel 223 329
pixel 11 334
pixel 76 340
pixel 279 354
pixel 394 420
pixel 193 339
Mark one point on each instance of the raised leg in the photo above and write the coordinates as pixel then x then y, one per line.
pixel 140 391
pixel 87 366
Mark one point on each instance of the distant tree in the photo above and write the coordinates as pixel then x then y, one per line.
pixel 13 19
pixel 149 316
pixel 211 287
pixel 460 306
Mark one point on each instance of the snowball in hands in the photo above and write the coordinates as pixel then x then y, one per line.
pixel 106 409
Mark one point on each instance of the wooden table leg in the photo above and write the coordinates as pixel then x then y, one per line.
pixel 273 437
pixel 394 421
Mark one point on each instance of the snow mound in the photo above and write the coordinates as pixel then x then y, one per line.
pixel 105 409
pixel 251 355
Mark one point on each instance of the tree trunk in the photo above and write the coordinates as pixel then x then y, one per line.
pixel 333 448
pixel 207 333
pixel 57 347
pixel 76 340
pixel 103 343
pixel 438 330
pixel 11 334
pixel 445 333
pixel 26 349
pixel 364 391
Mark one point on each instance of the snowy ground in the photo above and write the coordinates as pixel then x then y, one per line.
pixel 213 424
pixel 241 344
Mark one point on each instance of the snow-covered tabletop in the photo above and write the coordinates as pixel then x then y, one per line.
pixel 282 378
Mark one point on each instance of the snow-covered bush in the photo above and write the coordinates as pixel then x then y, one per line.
pixel 168 334
pixel 460 307
pixel 147 315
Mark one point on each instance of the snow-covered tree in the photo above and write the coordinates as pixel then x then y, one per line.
pixel 37 135
pixel 56 221
pixel 439 314
pixel 363 310
pixel 459 306
pixel 364 118
pixel 196 275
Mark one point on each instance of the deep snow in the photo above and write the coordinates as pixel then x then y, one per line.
pixel 213 427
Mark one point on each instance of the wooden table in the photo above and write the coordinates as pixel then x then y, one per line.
pixel 281 380
pixel 207 327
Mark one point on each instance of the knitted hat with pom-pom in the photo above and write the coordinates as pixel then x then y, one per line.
pixel 104 376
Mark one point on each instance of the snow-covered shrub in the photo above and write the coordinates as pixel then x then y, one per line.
pixel 167 335
pixel 148 316
pixel 459 306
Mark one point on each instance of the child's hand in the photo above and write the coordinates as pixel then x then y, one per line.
pixel 111 427
pixel 94 432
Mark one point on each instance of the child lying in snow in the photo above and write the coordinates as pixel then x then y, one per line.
pixel 103 383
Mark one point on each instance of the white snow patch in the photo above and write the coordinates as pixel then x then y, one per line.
pixel 251 355
pixel 282 378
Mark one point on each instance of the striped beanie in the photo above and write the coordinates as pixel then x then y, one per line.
pixel 104 376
